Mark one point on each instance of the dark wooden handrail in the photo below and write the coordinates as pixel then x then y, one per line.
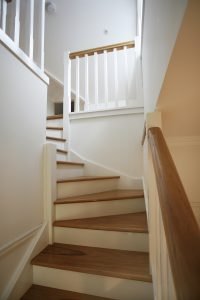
pixel 100 50
pixel 181 228
pixel 143 134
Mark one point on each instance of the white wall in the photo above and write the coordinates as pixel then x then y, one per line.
pixel 162 20
pixel 79 25
pixel 22 135
pixel 113 142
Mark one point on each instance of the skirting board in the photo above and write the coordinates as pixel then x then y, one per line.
pixel 25 259
pixel 93 168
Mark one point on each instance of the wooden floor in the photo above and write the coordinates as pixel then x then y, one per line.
pixel 103 196
pixel 99 261
pixel 37 292
pixel 134 222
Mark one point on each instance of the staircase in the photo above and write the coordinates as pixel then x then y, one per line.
pixel 100 234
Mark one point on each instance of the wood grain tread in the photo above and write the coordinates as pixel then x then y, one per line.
pixel 92 260
pixel 132 222
pixel 61 151
pixel 103 196
pixel 38 292
pixel 54 117
pixel 54 128
pixel 87 178
pixel 73 163
pixel 52 138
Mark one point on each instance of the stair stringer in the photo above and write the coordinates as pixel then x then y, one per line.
pixel 92 168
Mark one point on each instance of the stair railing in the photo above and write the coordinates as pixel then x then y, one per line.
pixel 22 31
pixel 101 78
pixel 173 229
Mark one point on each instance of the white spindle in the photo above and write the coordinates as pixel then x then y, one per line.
pixel 77 109
pixel 116 77
pixel 4 14
pixel 17 22
pixel 42 34
pixel 31 21
pixel 96 80
pixel 69 84
pixel 86 83
pixel 126 74
pixel 106 77
pixel 67 97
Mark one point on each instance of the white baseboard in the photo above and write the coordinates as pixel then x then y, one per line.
pixel 25 259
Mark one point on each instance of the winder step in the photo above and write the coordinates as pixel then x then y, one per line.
pixel 54 128
pixel 42 292
pixel 61 151
pixel 87 178
pixel 63 162
pixel 54 117
pixel 51 138
pixel 133 222
pixel 92 260
pixel 103 196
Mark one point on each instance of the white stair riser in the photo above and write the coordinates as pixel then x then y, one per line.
pixel 101 238
pixel 98 209
pixel 54 133
pixel 55 123
pixel 59 145
pixel 103 286
pixel 68 189
pixel 61 156
pixel 66 171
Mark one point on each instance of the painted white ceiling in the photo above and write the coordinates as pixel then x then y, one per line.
pixel 80 24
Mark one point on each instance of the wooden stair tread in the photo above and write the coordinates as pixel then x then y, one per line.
pixel 87 178
pixel 61 151
pixel 100 261
pixel 55 139
pixel 54 117
pixel 73 163
pixel 103 196
pixel 132 222
pixel 37 292
pixel 54 128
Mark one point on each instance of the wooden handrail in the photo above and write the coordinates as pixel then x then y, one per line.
pixel 143 134
pixel 181 229
pixel 100 50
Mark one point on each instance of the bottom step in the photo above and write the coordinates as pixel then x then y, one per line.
pixel 37 292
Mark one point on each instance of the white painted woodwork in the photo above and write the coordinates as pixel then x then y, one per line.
pixel 61 156
pixel 98 209
pixel 54 133
pixel 85 187
pixel 126 74
pixel 77 102
pixel 105 57
pixel 96 79
pixel 17 22
pixel 67 171
pixel 42 27
pixel 86 83
pixel 116 82
pixel 59 145
pixel 109 287
pixel 4 14
pixel 102 238
pixel 55 122
pixel 31 26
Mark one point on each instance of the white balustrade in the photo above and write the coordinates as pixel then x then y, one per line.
pixel 30 39
pixel 106 77
pixel 101 78
pixel 86 83
pixel 77 106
